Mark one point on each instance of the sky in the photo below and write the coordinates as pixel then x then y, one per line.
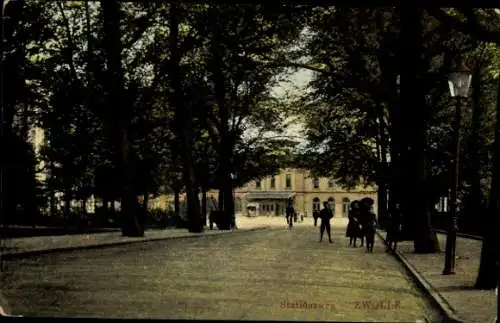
pixel 294 129
pixel 299 79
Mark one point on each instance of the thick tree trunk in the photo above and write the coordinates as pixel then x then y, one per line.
pixel 119 117
pixel 416 206
pixel 220 201
pixel 225 150
pixel 204 205
pixel 184 117
pixel 193 203
pixel 105 207
pixel 474 205
pixel 486 278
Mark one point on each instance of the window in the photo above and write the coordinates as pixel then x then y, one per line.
pixel 330 183
pixel 273 182
pixel 288 181
pixel 316 204
pixel 257 184
pixel 331 203
pixel 315 182
pixel 345 206
pixel 272 207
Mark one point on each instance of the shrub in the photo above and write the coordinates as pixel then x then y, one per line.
pixel 157 218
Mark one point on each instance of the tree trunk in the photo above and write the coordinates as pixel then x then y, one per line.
pixel 220 202
pixel 105 207
pixel 396 134
pixel 145 202
pixel 67 205
pixel 225 150
pixel 417 211
pixel 52 193
pixel 52 203
pixel 84 204
pixel 184 117
pixel 177 203
pixel 204 205
pixel 475 201
pixel 119 117
pixel 486 278
pixel 382 171
pixel 229 201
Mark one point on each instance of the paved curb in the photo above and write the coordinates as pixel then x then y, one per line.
pixel 25 254
pixel 461 235
pixel 439 301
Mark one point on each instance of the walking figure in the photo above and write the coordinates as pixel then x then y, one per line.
pixel 290 211
pixel 353 227
pixel 393 229
pixel 369 223
pixel 326 215
pixel 315 216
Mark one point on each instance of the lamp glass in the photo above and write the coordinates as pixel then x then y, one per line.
pixel 459 83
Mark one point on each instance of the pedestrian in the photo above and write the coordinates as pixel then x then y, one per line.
pixel 353 224
pixel 370 228
pixel 367 218
pixel 290 211
pixel 315 216
pixel 326 215
pixel 393 228
pixel 366 205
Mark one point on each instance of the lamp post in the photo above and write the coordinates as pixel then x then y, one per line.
pixel 459 82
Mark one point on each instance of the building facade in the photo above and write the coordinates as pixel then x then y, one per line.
pixel 269 195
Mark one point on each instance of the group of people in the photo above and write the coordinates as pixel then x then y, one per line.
pixel 362 224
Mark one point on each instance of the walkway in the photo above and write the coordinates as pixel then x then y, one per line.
pixel 468 304
pixel 45 243
pixel 275 274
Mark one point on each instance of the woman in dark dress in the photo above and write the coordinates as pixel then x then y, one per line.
pixel 365 206
pixel 353 225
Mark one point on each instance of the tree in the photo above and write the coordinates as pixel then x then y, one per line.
pixel 240 78
pixel 120 110
pixel 486 278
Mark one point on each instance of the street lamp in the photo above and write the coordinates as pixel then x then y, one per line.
pixel 459 82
